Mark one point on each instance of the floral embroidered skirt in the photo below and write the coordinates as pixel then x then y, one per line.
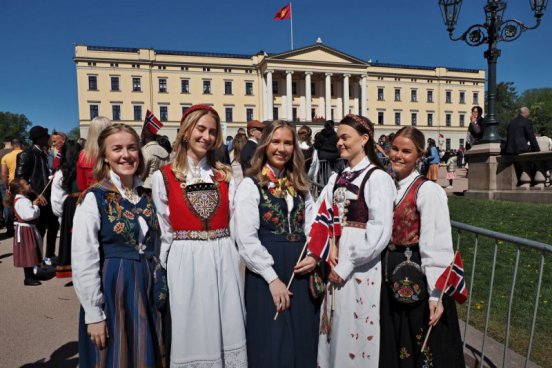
pixel 404 327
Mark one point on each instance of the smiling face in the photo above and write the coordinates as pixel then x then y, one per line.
pixel 403 156
pixel 122 154
pixel 202 138
pixel 57 141
pixel 350 144
pixel 280 149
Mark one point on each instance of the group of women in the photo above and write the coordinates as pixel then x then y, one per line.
pixel 193 220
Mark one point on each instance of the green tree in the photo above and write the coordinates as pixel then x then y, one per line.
pixel 74 133
pixel 506 104
pixel 13 125
pixel 539 101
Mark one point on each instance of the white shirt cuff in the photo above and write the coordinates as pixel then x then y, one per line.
pixel 93 315
pixel 344 269
pixel 269 275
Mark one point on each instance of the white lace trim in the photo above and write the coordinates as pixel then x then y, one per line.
pixel 232 358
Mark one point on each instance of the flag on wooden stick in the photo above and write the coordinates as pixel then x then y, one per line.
pixel 326 225
pixel 152 123
pixel 452 280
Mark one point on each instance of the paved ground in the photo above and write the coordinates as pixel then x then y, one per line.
pixel 39 324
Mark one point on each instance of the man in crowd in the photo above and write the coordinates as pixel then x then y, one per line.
pixel 154 154
pixel 32 165
pixel 7 149
pixel 58 139
pixel 7 170
pixel 254 132
pixel 521 136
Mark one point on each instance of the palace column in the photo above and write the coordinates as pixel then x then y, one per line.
pixel 328 96
pixel 269 98
pixel 308 97
pixel 346 94
pixel 363 95
pixel 289 96
pixel 355 94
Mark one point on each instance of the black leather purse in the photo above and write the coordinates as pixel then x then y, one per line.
pixel 406 281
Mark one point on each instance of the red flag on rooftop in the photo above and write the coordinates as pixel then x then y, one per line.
pixel 284 13
pixel 452 280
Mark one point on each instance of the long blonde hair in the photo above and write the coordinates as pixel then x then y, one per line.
pixel 187 125
pixel 295 172
pixel 91 147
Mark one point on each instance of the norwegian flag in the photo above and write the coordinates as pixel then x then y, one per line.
pixel 325 226
pixel 152 123
pixel 455 287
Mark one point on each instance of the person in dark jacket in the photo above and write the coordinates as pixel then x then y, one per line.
pixel 32 165
pixel 476 127
pixel 325 142
pixel 254 132
pixel 521 136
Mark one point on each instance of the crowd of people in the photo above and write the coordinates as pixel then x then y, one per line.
pixel 154 237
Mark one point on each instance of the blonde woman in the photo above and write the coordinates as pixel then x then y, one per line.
pixel 87 157
pixel 193 197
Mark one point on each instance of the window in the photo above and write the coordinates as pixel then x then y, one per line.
pixel 115 83
pixel 332 90
pixel 162 85
pixel 430 119
pixel 448 97
pixel 447 144
pixel 462 120
pixel 163 113
pixel 228 113
pixel 380 94
pixel 430 96
pixel 380 117
pixel 294 114
pixel 414 95
pixel 185 86
pixel 414 119
pixel 248 114
pixel 476 98
pixel 448 121
pixel 274 112
pixel 275 89
pixel 293 88
pixel 206 87
pixel 397 118
pixel 92 83
pixel 137 113
pixel 116 111
pixel 397 94
pixel 184 108
pixel 461 142
pixel 93 111
pixel 462 97
pixel 136 84
pixel 313 113
pixel 249 89
pixel 227 87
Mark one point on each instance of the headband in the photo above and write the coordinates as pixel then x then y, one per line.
pixel 196 108
pixel 361 121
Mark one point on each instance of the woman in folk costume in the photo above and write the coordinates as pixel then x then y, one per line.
pixel 114 230
pixel 363 194
pixel 421 234
pixel 193 196
pixel 272 206
pixel 87 157
pixel 65 194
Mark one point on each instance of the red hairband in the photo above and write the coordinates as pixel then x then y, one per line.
pixel 362 122
pixel 195 108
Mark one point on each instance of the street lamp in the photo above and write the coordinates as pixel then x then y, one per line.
pixel 494 29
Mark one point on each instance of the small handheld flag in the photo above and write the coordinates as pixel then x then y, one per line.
pixel 455 287
pixel 326 225
pixel 284 13
pixel 152 123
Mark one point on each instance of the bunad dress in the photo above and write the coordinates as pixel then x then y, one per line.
pixel 202 263
pixel 27 241
pixel 63 206
pixel 421 224
pixel 364 196
pixel 270 232
pixel 113 266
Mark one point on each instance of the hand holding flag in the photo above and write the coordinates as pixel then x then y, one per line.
pixel 325 227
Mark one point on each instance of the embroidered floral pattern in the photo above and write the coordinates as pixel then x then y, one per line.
pixel 276 215
pixel 403 353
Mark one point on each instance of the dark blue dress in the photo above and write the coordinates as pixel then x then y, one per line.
pixel 133 323
pixel 292 340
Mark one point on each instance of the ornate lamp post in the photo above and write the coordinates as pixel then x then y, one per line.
pixel 494 29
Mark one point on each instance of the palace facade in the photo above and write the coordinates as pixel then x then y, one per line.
pixel 306 85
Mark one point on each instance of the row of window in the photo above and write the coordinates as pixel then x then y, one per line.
pixel 184 85
pixel 429 96
pixel 164 112
pixel 429 119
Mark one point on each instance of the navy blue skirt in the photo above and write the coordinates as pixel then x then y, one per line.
pixel 292 340
pixel 133 323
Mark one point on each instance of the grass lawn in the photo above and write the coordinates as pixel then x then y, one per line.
pixel 526 220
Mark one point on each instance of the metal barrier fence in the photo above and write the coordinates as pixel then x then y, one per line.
pixel 523 276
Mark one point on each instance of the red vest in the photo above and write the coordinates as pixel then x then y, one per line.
pixel 200 215
pixel 406 218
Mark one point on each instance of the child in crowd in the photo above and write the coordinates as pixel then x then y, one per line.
pixel 27 241
pixel 451 169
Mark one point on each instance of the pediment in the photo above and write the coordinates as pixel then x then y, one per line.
pixel 318 53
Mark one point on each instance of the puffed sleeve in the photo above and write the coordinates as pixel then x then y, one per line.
pixel 245 226
pixel 85 259
pixel 58 194
pixel 309 213
pixel 161 201
pixel 26 209
pixel 379 194
pixel 435 232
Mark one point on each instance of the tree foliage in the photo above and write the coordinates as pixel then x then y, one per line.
pixel 13 126
pixel 74 133
pixel 539 102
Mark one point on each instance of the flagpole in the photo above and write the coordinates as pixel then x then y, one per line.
pixel 440 300
pixel 293 273
pixel 291 23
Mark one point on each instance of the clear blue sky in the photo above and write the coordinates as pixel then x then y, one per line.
pixel 37 37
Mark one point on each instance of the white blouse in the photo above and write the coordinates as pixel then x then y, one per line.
pixel 58 194
pixel 25 209
pixel 246 223
pixel 379 194
pixel 85 252
pixel 435 238
pixel 201 172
